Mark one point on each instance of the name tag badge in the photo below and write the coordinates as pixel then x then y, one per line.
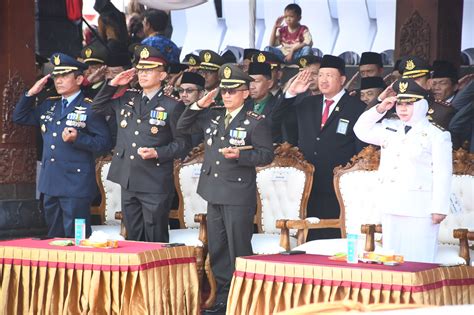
pixel 342 126
pixel 196 171
pixel 280 175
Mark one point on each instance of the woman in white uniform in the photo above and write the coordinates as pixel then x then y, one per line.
pixel 415 171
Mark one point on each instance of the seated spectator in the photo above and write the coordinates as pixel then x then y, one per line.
pixel 370 65
pixel 154 26
pixel 135 29
pixel 294 38
pixel 191 90
pixel 370 89
pixel 444 80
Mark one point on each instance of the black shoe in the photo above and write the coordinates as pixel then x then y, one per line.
pixel 217 308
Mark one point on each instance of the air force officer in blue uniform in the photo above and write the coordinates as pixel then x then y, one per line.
pixel 72 133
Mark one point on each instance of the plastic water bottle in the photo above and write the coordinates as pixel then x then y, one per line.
pixel 79 230
pixel 352 255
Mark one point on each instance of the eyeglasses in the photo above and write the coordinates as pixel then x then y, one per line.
pixel 188 91
pixel 231 91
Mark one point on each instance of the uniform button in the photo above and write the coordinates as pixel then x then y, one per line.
pixel 420 187
pixel 239 179
pixel 78 170
pixel 58 123
pixel 52 160
pixel 53 147
pixel 218 162
pixel 157 164
pixel 117 153
pixel 55 134
pixel 222 138
pixel 134 144
pixel 215 175
pixel 131 157
pixel 315 153
pixel 139 121
pixel 136 132
pixel 317 139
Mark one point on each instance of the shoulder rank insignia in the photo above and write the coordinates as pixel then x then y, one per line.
pixel 254 115
pixel 55 97
pixel 217 107
pixel 438 126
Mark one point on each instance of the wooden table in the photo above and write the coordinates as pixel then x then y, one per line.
pixel 136 278
pixel 270 283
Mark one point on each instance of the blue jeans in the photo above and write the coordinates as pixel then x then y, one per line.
pixel 303 51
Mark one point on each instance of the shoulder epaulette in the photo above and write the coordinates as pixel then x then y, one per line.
pixel 441 102
pixel 438 126
pixel 254 115
pixel 217 107
pixel 55 97
pixel 87 100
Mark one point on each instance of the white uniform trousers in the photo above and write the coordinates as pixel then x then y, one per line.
pixel 413 237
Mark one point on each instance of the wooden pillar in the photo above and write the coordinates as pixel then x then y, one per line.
pixel 18 207
pixel 429 29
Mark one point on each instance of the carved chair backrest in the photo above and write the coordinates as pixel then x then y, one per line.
pixel 283 188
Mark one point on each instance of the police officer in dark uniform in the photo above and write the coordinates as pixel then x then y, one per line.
pixel 228 176
pixel 72 133
pixel 95 56
pixel 147 144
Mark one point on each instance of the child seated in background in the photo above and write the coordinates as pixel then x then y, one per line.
pixel 295 39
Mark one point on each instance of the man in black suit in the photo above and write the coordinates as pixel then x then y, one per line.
pixel 228 176
pixel 147 144
pixel 325 134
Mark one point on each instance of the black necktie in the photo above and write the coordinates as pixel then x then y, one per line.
pixel 407 128
pixel 145 99
pixel 65 102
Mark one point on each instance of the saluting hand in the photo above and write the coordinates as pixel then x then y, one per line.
pixel 279 20
pixel 123 78
pixel 386 104
pixel 147 153
pixel 301 83
pixel 97 75
pixel 388 92
pixel 69 134
pixel 39 85
pixel 207 99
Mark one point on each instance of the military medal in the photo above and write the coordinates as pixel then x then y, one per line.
pixel 77 118
pixel 208 130
pixel 246 122
pixel 154 130
pixel 237 136
pixel 42 117
pixel 123 123
pixel 43 128
pixel 122 112
pixel 209 141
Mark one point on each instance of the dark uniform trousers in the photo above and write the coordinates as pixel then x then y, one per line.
pixel 67 176
pixel 325 148
pixel 147 185
pixel 229 185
